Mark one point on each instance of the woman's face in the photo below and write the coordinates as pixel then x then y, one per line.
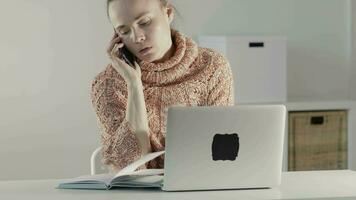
pixel 141 24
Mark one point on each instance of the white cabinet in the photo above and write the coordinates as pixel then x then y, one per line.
pixel 258 65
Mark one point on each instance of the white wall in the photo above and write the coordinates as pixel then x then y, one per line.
pixel 352 75
pixel 317 32
pixel 353 51
pixel 51 50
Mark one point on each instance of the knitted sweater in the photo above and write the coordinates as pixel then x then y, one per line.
pixel 193 76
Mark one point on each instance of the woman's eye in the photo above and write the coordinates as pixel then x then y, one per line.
pixel 146 22
pixel 124 32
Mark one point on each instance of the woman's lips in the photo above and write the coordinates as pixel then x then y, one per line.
pixel 145 50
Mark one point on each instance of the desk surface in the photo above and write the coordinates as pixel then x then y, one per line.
pixel 295 185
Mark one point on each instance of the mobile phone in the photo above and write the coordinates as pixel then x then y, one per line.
pixel 127 56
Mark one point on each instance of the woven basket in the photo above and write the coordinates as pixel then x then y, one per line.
pixel 317 140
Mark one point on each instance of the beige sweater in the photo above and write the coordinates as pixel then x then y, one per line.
pixel 193 76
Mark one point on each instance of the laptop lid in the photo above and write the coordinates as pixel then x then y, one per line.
pixel 224 147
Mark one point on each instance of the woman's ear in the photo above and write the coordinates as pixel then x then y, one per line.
pixel 170 13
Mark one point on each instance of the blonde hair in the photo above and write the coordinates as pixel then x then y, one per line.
pixel 164 4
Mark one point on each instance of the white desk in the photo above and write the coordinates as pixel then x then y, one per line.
pixel 295 185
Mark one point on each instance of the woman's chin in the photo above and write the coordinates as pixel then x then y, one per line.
pixel 148 59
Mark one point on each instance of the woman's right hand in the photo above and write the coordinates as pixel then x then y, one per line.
pixel 129 73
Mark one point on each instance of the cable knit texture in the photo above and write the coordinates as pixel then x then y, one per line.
pixel 193 76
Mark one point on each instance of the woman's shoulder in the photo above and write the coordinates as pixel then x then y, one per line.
pixel 212 58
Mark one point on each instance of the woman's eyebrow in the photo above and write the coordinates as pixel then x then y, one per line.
pixel 136 18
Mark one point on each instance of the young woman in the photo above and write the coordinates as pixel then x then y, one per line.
pixel 168 69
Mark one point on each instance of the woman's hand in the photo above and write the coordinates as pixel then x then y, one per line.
pixel 113 169
pixel 129 73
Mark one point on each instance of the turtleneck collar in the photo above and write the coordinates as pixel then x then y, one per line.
pixel 185 52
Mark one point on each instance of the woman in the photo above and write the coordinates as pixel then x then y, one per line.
pixel 169 69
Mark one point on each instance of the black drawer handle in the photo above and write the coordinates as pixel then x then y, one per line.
pixel 317 120
pixel 256 44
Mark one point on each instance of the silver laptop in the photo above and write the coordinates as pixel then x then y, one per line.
pixel 224 147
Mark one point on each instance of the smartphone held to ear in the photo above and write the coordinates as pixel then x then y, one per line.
pixel 127 56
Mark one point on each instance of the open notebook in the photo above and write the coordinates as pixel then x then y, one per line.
pixel 127 177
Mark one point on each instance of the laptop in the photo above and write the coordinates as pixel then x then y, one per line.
pixel 224 147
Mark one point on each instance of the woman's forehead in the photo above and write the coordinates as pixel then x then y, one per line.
pixel 124 11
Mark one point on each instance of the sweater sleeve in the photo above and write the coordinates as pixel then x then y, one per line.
pixel 120 145
pixel 221 84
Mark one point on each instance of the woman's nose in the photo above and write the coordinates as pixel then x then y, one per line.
pixel 138 35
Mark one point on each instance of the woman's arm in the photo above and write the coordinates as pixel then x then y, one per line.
pixel 121 145
pixel 137 114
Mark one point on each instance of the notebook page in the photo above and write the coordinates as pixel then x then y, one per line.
pixel 133 166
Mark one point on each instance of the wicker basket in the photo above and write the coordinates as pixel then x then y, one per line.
pixel 317 140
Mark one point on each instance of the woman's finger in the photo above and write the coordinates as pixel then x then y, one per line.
pixel 112 43
pixel 114 36
pixel 116 50
pixel 125 69
pixel 110 48
pixel 115 57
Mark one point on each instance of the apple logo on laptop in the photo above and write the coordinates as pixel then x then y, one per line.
pixel 225 146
